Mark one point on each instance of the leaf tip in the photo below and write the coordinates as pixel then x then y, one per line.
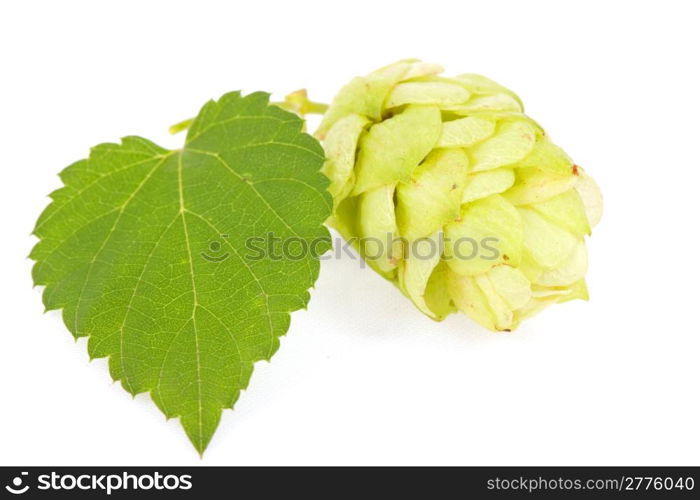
pixel 200 445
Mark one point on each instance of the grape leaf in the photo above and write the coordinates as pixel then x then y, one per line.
pixel 148 253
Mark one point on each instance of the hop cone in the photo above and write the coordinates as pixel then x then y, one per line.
pixel 451 192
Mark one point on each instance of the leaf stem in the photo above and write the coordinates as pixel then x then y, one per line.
pixel 297 102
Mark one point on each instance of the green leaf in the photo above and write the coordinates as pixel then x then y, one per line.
pixel 145 250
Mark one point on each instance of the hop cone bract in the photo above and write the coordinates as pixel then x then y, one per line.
pixel 451 192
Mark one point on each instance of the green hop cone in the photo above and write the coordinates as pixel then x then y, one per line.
pixel 451 192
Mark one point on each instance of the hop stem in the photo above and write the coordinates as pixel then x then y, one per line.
pixel 297 102
pixel 180 126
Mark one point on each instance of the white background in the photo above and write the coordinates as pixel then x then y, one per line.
pixel 362 377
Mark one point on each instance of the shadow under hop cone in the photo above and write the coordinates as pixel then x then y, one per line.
pixel 424 161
